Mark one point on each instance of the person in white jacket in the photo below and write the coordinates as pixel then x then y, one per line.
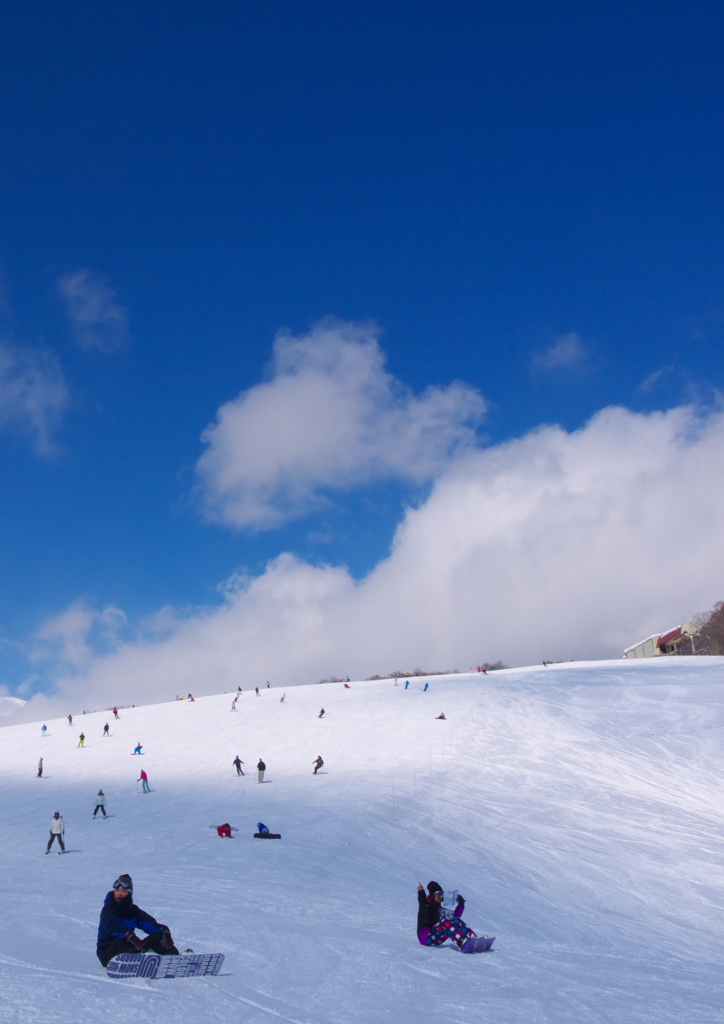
pixel 100 803
pixel 57 830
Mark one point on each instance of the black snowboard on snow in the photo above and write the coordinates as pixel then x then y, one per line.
pixel 267 835
pixel 151 965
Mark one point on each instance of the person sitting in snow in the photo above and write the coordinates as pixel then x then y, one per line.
pixel 262 829
pixel 435 923
pixel 120 917
pixel 441 715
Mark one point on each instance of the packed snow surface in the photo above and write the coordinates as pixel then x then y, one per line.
pixel 577 808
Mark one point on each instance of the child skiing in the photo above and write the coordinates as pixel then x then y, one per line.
pixel 100 803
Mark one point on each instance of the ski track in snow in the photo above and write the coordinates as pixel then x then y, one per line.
pixel 578 808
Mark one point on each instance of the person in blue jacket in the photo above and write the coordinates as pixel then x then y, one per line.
pixel 119 917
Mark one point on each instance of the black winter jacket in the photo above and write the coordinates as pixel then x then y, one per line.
pixel 119 918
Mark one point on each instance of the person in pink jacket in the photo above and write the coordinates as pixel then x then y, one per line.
pixel 144 779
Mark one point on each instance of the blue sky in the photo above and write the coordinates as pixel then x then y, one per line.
pixel 524 198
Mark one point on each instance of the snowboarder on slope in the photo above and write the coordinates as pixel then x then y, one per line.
pixel 138 749
pixel 40 768
pixel 119 917
pixel 81 741
pixel 435 924
pixel 100 803
pixel 106 729
pixel 57 829
pixel 260 768
pixel 441 715
pixel 237 762
pixel 319 763
pixel 70 719
pixel 115 713
pixel 144 779
pixel 321 714
pixel 262 829
pixel 224 830
pixel 43 731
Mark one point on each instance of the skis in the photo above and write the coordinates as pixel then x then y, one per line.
pixel 151 965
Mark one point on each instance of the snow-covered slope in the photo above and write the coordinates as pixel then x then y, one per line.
pixel 578 808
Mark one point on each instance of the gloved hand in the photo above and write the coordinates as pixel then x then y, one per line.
pixel 165 935
pixel 460 901
pixel 133 940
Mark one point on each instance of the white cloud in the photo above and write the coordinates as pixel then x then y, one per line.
pixel 556 545
pixel 98 322
pixel 73 638
pixel 330 418
pixel 567 352
pixel 33 393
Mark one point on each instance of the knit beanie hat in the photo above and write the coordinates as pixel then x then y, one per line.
pixel 433 887
pixel 126 881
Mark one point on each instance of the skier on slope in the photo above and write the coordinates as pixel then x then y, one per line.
pixel 81 741
pixel 100 803
pixel 106 729
pixel 435 924
pixel 119 917
pixel 144 779
pixel 57 830
pixel 237 762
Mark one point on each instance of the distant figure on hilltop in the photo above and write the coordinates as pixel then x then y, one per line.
pixel 256 690
pixel 319 763
pixel 57 829
pixel 115 713
pixel 100 803
pixel 70 719
pixel 233 704
pixel 260 768
pixel 237 762
pixel 321 714
pixel 40 768
pixel 43 731
pixel 282 698
pixel 268 684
